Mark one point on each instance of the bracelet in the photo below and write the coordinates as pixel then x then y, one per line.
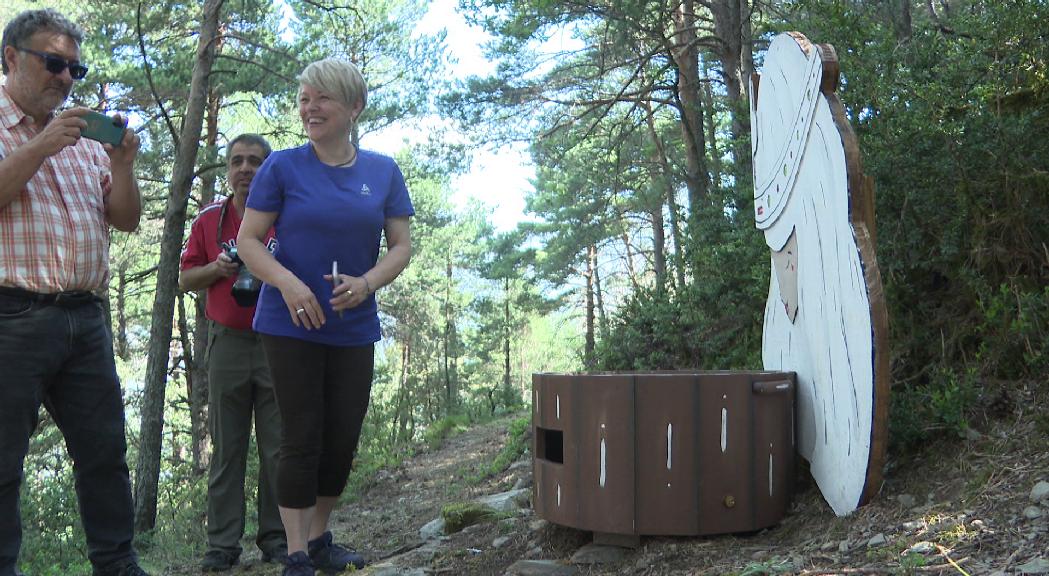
pixel 367 285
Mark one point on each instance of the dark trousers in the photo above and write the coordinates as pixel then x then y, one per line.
pixel 322 393
pixel 239 386
pixel 62 357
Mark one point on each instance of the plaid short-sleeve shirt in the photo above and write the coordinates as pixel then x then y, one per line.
pixel 54 235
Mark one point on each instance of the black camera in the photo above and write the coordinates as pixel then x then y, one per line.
pixel 246 287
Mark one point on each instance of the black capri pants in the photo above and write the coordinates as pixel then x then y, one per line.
pixel 322 394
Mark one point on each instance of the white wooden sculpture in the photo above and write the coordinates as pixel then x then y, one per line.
pixel 825 318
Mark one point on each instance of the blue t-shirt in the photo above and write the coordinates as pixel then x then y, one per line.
pixel 326 214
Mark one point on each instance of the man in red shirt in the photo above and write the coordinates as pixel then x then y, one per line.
pixel 59 194
pixel 238 377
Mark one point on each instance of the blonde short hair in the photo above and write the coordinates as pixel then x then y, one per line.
pixel 339 78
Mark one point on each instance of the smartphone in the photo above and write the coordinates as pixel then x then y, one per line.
pixel 102 128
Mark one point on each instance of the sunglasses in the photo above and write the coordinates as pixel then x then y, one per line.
pixel 56 64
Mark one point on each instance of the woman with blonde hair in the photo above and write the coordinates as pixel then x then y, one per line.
pixel 330 203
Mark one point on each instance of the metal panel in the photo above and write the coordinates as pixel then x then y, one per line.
pixel 774 448
pixel 725 453
pixel 556 483
pixel 605 446
pixel 667 498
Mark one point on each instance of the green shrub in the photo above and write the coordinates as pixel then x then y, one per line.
pixel 517 441
pixel 445 427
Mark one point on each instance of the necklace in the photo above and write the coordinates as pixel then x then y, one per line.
pixel 353 157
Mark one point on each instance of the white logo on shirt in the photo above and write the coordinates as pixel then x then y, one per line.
pixel 365 191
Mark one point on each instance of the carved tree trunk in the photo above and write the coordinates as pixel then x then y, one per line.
pixel 147 470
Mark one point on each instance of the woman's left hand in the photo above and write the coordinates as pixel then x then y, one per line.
pixel 349 293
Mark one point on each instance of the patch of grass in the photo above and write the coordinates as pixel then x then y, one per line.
pixel 910 563
pixel 448 426
pixel 365 467
pixel 459 515
pixel 767 568
pixel 516 444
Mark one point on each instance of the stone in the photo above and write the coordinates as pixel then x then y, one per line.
pixel 907 501
pixel 1034 566
pixel 393 570
pixel 877 540
pixel 523 463
pixel 507 501
pixel 537 525
pixel 500 541
pixel 432 529
pixel 972 435
pixel 540 568
pixel 1032 512
pixel 523 482
pixel 1040 492
pixel 598 554
pixel 843 546
pixel 921 548
pixel 828 546
pixel 913 525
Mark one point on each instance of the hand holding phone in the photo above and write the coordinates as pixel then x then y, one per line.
pixel 102 128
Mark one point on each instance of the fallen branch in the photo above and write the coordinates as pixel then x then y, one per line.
pixel 943 552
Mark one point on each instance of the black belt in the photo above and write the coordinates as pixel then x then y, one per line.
pixel 69 299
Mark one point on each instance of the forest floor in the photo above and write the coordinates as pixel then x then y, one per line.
pixel 959 506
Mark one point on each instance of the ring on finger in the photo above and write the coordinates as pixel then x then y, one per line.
pixel 300 311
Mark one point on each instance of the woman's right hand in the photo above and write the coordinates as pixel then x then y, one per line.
pixel 302 305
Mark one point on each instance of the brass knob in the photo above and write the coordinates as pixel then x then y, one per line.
pixel 730 501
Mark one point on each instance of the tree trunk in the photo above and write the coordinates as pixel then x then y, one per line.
pixel 685 53
pixel 198 393
pixel 732 27
pixel 507 323
pixel 147 470
pixel 123 350
pixel 196 369
pixel 630 270
pixel 404 409
pixel 712 132
pixel 450 394
pixel 664 177
pixel 602 319
pixel 195 389
pixel 902 21
pixel 589 348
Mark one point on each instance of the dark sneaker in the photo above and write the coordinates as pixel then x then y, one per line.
pixel 276 552
pixel 331 557
pixel 218 561
pixel 298 564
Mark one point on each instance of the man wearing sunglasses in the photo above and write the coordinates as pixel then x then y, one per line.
pixel 59 193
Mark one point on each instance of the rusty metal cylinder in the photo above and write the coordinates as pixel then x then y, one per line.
pixel 663 453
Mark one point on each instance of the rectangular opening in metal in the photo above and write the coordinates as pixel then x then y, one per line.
pixel 550 445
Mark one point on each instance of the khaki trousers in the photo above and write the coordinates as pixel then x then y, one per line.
pixel 240 387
